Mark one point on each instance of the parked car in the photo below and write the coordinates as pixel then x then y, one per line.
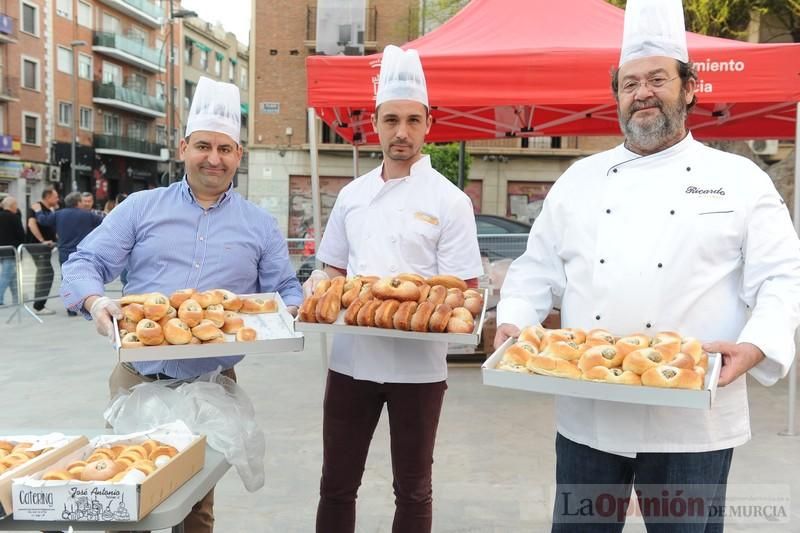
pixel 498 238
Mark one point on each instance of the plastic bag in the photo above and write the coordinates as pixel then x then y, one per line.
pixel 212 405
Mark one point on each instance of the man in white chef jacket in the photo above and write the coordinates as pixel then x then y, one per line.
pixel 401 217
pixel 659 233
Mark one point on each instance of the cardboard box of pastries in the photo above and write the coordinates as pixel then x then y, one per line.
pixel 114 478
pixel 21 455
pixel 406 306
pixel 190 324
pixel 664 369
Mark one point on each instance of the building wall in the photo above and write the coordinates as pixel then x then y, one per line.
pixel 30 101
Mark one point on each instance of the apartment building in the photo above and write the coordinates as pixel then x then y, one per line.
pixel 25 127
pixel 208 50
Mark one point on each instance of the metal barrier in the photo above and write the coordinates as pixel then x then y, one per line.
pixel 39 274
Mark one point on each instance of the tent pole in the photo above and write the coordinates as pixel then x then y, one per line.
pixel 355 161
pixel 790 411
pixel 315 206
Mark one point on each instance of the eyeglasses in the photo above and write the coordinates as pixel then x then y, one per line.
pixel 656 82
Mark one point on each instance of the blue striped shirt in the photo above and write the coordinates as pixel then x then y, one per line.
pixel 168 241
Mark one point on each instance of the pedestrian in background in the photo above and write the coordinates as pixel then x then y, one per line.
pixel 11 234
pixel 41 240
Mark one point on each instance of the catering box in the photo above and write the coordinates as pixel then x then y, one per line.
pixel 59 445
pixel 696 399
pixel 339 326
pixel 95 501
pixel 275 334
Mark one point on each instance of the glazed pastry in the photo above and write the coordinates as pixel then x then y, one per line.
pixel 351 316
pixel 421 317
pixel 366 315
pixel 402 317
pixel 439 318
pixel 384 314
pixel 395 289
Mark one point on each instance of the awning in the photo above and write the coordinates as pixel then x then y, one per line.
pixel 220 56
pixel 197 44
pixel 245 109
pixel 233 60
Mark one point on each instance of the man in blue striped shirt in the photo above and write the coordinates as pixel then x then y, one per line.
pixel 198 233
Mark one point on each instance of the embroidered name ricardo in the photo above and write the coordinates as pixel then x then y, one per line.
pixel 694 190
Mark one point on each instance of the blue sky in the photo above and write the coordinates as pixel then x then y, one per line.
pixel 235 17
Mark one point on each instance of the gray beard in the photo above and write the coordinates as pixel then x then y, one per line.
pixel 652 135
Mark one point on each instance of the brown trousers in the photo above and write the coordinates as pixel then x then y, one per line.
pixel 201 517
pixel 351 411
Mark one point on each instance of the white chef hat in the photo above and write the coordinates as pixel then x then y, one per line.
pixel 401 77
pixel 654 28
pixel 215 107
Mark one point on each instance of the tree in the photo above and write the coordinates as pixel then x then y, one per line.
pixel 430 14
pixel 444 158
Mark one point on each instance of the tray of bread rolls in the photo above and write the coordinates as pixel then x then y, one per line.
pixel 191 324
pixel 665 369
pixel 406 306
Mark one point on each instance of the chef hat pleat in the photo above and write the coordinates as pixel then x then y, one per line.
pixel 654 28
pixel 401 77
pixel 215 107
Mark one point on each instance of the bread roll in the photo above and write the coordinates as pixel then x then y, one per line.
pixel 439 318
pixel 216 314
pixel 126 325
pixel 258 305
pixel 424 290
pixel 321 287
pixel 149 332
pixel 131 340
pixel 683 360
pixel 351 316
pixel 516 356
pixel 639 361
pixel 667 344
pixel 553 366
pixel 450 282
pixel 599 337
pixel 556 335
pixel 218 338
pixel 246 335
pixel 178 297
pixel 611 375
pixel 307 311
pixel 206 330
pixel 230 301
pixel 195 340
pixel 330 303
pixel 692 346
pixel 567 350
pixel 401 320
pixel 626 345
pixel 531 334
pixel 101 470
pixel 421 317
pixel 176 332
pixel 384 314
pixel 416 279
pixel 395 289
pixel 190 312
pixel 207 298
pixel 133 299
pixel 57 475
pixel 437 294
pixel 164 449
pixel 454 298
pixel 133 312
pixel 604 355
pixel 351 290
pixel 156 306
pixel 171 313
pixel 366 315
pixel 232 323
pixel 474 304
pixel 672 377
pixel 702 361
pixel 459 325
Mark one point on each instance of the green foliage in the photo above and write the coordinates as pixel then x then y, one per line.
pixel 444 158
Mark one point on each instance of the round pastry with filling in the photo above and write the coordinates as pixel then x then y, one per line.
pixel 611 375
pixel 639 361
pixel 672 377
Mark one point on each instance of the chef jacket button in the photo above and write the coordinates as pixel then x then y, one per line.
pixel 614 171
pixel 672 212
pixel 597 317
pixel 602 261
pixel 608 211
pixel 648 325
pixel 688 169
pixel 660 265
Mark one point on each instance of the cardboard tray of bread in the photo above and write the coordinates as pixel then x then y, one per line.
pixel 408 306
pixel 21 455
pixel 665 370
pixel 113 478
pixel 190 324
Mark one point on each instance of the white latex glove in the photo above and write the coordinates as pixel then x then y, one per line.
pixel 103 308
pixel 315 277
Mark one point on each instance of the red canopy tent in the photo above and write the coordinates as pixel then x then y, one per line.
pixel 528 67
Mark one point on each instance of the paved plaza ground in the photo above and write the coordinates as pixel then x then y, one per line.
pixel 494 462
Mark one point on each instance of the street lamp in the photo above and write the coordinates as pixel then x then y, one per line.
pixel 75 106
pixel 179 14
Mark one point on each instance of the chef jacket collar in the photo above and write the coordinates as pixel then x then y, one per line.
pixel 622 155
pixel 420 168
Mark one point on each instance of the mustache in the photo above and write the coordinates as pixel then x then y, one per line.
pixel 651 102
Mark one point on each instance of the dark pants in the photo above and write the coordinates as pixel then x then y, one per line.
pixel 350 413
pixel 44 273
pixel 676 492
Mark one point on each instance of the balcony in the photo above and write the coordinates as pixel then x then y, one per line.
pixel 128 99
pixel 9 89
pixel 366 37
pixel 126 146
pixel 8 29
pixel 129 50
pixel 141 10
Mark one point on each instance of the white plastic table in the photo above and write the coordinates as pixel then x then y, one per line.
pixel 169 514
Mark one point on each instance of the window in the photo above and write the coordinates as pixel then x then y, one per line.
pixel 85 14
pixel 30 19
pixel 31 133
pixel 65 114
pixel 203 60
pixel 218 66
pixel 232 72
pixel 112 73
pixel 160 90
pixel 137 130
pixel 111 24
pixel 243 77
pixel 87 118
pixel 137 34
pixel 64 8
pixel 85 66
pixel 111 124
pixel 161 135
pixel 64 59
pixel 30 74
pixel 188 52
pixel 138 83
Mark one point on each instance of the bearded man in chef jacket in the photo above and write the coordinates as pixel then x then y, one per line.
pixel 660 233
